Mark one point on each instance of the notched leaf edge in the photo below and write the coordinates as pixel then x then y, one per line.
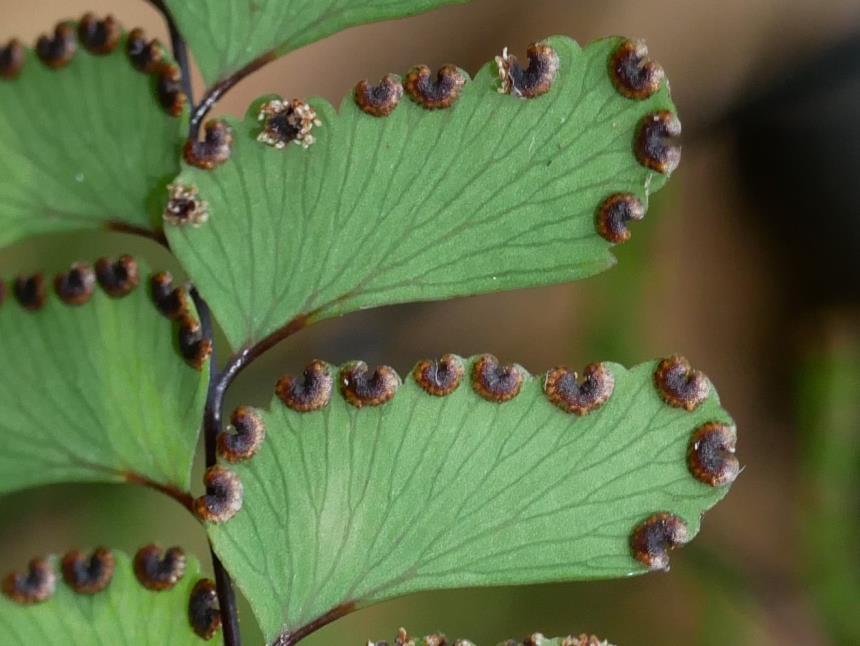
pixel 117 278
pixel 281 121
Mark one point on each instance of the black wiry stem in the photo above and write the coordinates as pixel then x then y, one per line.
pixel 227 603
pixel 211 428
pixel 215 393
pixel 177 44
pixel 219 381
pixel 214 94
pixel 212 413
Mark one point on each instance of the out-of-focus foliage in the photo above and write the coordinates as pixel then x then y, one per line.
pixel 829 415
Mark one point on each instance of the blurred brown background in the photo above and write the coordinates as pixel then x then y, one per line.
pixel 746 263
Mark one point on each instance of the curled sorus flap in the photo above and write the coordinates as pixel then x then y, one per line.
pixel 424 185
pixel 358 484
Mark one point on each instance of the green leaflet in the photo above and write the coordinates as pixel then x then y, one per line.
pixel 97 392
pixel 123 614
pixel 226 35
pixel 83 147
pixel 345 507
pixel 493 193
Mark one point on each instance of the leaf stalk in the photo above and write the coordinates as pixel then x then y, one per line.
pixel 215 394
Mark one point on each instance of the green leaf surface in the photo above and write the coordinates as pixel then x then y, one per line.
pixel 83 147
pixel 97 392
pixel 123 614
pixel 226 35
pixel 344 507
pixel 493 193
